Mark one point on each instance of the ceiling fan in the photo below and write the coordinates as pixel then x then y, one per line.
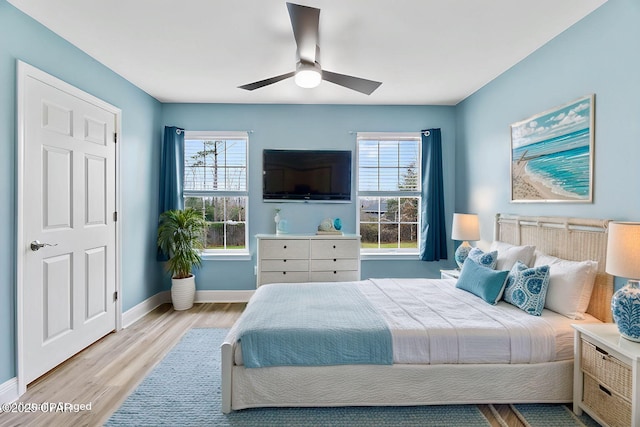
pixel 305 22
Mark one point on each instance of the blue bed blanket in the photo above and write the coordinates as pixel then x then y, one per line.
pixel 312 324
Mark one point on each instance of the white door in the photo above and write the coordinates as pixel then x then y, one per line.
pixel 67 197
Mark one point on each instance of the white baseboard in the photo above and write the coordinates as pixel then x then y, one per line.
pixel 137 312
pixel 9 391
pixel 223 296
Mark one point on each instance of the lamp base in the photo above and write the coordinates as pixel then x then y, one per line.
pixel 625 307
pixel 462 252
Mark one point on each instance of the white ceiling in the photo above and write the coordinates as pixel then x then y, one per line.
pixel 434 52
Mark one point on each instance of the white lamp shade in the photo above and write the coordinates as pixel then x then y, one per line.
pixel 623 250
pixel 465 227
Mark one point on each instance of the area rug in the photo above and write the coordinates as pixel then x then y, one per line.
pixel 547 415
pixel 184 390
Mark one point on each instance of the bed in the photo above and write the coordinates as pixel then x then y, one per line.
pixel 402 376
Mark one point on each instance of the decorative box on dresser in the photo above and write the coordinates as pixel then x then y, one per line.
pixel 606 375
pixel 307 258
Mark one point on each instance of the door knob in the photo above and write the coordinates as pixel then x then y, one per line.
pixel 37 245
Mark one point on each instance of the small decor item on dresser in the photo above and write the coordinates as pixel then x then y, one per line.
pixel 282 225
pixel 623 260
pixel 327 227
pixel 465 227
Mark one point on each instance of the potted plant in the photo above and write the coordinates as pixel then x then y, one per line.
pixel 180 236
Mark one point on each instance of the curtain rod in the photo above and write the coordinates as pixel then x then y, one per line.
pixel 179 131
pixel 425 132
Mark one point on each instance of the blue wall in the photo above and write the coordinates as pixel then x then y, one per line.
pixel 601 55
pixel 22 38
pixel 318 127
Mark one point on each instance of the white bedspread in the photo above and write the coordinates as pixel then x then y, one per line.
pixel 433 322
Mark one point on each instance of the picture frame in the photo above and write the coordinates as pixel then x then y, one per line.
pixel 552 154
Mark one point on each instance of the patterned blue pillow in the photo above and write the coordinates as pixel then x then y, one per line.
pixel 527 287
pixel 485 259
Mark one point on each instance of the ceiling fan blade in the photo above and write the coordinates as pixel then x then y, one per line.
pixel 267 82
pixel 355 83
pixel 305 21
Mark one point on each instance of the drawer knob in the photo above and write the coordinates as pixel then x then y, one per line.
pixel 334 260
pixel 335 272
pixel 284 272
pixel 285 246
pixel 334 246
pixel 284 260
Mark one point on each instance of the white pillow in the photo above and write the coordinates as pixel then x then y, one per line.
pixel 570 284
pixel 508 254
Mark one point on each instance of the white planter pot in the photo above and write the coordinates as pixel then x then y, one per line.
pixel 183 292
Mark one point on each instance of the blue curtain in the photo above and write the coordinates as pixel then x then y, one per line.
pixel 172 169
pixel 433 245
pixel 171 173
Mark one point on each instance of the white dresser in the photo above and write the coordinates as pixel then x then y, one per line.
pixel 307 258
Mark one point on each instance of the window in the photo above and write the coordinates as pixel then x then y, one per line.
pixel 215 182
pixel 389 192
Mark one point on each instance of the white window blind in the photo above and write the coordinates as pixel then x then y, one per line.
pixel 215 162
pixel 215 183
pixel 389 192
pixel 388 163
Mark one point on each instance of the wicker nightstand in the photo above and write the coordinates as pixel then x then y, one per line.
pixel 606 375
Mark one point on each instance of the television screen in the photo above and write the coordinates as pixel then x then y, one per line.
pixel 306 175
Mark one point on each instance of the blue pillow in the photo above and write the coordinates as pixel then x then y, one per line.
pixel 527 287
pixel 485 259
pixel 483 282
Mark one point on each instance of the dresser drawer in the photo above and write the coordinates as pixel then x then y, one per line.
pixel 284 249
pixel 284 265
pixel 334 276
pixel 611 407
pixel 338 248
pixel 611 372
pixel 283 277
pixel 335 264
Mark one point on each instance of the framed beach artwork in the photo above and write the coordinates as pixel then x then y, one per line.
pixel 552 154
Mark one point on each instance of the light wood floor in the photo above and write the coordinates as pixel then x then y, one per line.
pixel 105 373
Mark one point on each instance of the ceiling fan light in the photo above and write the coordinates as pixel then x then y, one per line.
pixel 308 76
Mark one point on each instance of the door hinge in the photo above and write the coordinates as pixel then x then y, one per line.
pixel 115 296
pixel 115 216
pixel 115 138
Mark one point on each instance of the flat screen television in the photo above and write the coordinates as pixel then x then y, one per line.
pixel 306 175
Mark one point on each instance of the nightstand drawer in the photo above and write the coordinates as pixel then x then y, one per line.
pixel 611 372
pixel 611 407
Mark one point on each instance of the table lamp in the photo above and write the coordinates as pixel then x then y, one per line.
pixel 465 227
pixel 623 260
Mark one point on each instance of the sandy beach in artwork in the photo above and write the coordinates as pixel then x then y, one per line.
pixel 526 188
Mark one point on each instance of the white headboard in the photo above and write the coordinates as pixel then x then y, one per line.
pixel 575 239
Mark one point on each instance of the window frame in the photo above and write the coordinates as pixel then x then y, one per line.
pixel 240 254
pixel 390 253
